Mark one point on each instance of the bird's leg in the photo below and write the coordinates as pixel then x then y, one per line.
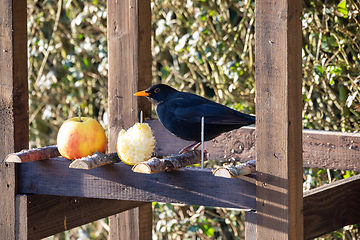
pixel 185 149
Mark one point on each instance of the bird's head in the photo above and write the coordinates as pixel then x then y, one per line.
pixel 157 93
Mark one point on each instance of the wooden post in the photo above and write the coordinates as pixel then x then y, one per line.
pixel 132 224
pixel 14 119
pixel 278 127
pixel 129 44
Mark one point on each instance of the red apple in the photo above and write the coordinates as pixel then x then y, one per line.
pixel 80 139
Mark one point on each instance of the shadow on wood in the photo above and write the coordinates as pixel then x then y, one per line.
pixel 330 207
pixel 117 181
pixel 47 215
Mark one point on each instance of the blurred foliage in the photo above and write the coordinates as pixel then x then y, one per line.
pixel 180 222
pixel 202 46
pixel 331 60
pixel 67 65
pixel 207 48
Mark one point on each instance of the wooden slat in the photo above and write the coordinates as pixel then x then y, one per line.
pixel 14 119
pixel 332 150
pixel 330 207
pixel 279 122
pixel 129 43
pixel 250 225
pixel 129 39
pixel 135 219
pixel 117 181
pixel 47 215
pixel 14 126
pixel 321 149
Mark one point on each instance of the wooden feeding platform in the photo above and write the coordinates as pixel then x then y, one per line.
pixel 42 197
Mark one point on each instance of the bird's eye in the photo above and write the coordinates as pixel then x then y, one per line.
pixel 157 90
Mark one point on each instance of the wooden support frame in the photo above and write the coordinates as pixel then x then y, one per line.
pixel 14 119
pixel 278 55
pixel 278 119
pixel 129 52
pixel 44 215
pixel 332 206
pixel 117 181
pixel 321 149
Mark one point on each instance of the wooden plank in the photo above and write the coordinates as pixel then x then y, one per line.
pixel 250 225
pixel 129 39
pixel 279 122
pixel 321 149
pixel 14 117
pixel 47 215
pixel 332 150
pixel 135 219
pixel 331 207
pixel 14 126
pixel 129 43
pixel 117 181
pixel 21 217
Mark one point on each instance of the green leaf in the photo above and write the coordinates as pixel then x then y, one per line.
pixel 342 8
pixel 86 62
pixel 318 70
pixel 348 174
pixel 208 230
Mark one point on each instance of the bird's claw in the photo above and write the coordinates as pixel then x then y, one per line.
pixel 193 146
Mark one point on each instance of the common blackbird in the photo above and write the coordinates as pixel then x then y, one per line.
pixel 181 113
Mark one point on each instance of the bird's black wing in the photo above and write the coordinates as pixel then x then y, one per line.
pixel 191 108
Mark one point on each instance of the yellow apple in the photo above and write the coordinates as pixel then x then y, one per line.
pixel 80 139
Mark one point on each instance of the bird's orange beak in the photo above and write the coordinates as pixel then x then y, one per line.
pixel 142 94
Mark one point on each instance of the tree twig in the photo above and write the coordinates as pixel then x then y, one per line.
pixel 33 154
pixel 231 171
pixel 96 160
pixel 155 164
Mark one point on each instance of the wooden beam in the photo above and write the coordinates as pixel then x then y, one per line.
pixel 321 149
pixel 117 181
pixel 14 119
pixel 331 207
pixel 135 219
pixel 332 150
pixel 129 44
pixel 250 225
pixel 46 215
pixel 278 119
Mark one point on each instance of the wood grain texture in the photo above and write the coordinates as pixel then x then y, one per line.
pixel 129 43
pixel 117 181
pixel 278 119
pixel 330 207
pixel 125 222
pixel 47 215
pixel 129 39
pixel 237 145
pixel 321 149
pixel 14 123
pixel 332 150
pixel 250 225
pixel 21 217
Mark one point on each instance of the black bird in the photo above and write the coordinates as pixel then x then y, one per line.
pixel 181 113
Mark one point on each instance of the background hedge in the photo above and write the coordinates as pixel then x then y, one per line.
pixel 202 46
